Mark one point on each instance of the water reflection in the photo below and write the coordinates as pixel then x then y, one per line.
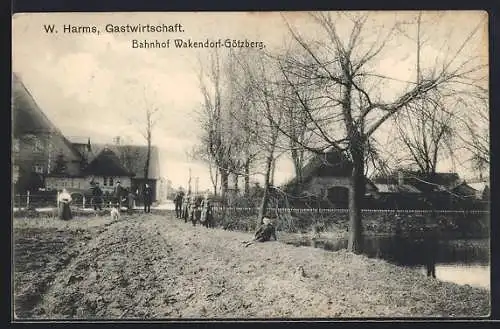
pixel 458 261
pixel 474 275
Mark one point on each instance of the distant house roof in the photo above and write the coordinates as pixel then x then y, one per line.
pixel 106 164
pixel 423 182
pixel 395 188
pixel 330 163
pixel 466 190
pixel 131 157
pixel 480 186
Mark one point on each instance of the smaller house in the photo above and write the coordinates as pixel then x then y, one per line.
pixel 326 177
pixel 481 186
pixel 105 168
pixel 412 189
pixel 395 196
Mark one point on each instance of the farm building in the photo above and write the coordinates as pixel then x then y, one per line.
pixel 44 158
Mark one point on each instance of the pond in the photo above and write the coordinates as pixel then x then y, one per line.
pixel 459 261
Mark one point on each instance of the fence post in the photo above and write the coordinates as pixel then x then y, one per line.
pixel 57 200
pixel 83 201
pixel 28 199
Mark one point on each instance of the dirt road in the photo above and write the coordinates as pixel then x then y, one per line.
pixel 159 267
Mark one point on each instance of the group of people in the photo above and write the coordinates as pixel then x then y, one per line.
pixel 193 208
pixel 122 196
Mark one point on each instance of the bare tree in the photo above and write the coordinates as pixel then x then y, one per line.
pixel 475 138
pixel 349 108
pixel 147 133
pixel 201 153
pixel 267 95
pixel 429 128
pixel 150 117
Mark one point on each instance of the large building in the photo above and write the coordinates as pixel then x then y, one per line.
pixel 44 158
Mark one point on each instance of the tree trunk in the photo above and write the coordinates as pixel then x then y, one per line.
pixel 236 179
pixel 273 169
pixel 224 182
pixel 356 194
pixel 148 157
pixel 265 198
pixel 214 177
pixel 247 177
pixel 297 164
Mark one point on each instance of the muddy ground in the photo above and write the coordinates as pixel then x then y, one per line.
pixel 157 266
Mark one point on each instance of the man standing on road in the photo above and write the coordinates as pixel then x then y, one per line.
pixel 118 194
pixel 97 196
pixel 185 207
pixel 148 198
pixel 130 199
pixel 179 196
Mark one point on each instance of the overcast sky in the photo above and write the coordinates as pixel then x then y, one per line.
pixel 97 86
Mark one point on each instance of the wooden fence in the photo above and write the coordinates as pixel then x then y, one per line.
pixel 255 210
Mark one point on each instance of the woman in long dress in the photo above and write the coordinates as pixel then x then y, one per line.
pixel 64 205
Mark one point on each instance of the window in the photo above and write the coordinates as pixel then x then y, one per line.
pixel 38 168
pixel 37 144
pixel 111 181
pixel 105 183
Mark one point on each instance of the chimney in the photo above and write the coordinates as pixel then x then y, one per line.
pixel 401 179
pixel 117 140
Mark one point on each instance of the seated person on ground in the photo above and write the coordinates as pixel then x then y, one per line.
pixel 266 231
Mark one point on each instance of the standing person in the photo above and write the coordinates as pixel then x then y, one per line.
pixel 148 198
pixel 194 209
pixel 185 207
pixel 97 196
pixel 430 248
pixel 118 194
pixel 64 205
pixel 179 196
pixel 130 199
pixel 206 214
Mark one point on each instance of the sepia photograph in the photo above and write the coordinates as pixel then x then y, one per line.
pixel 250 165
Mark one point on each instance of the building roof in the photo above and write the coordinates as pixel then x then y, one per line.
pixel 465 189
pixel 395 188
pixel 480 186
pixel 28 117
pixel 330 163
pixel 423 182
pixel 131 157
pixel 106 163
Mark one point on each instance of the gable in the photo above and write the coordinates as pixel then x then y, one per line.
pixel 331 163
pixel 131 157
pixel 106 164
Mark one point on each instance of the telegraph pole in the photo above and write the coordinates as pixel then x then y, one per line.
pixel 189 182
